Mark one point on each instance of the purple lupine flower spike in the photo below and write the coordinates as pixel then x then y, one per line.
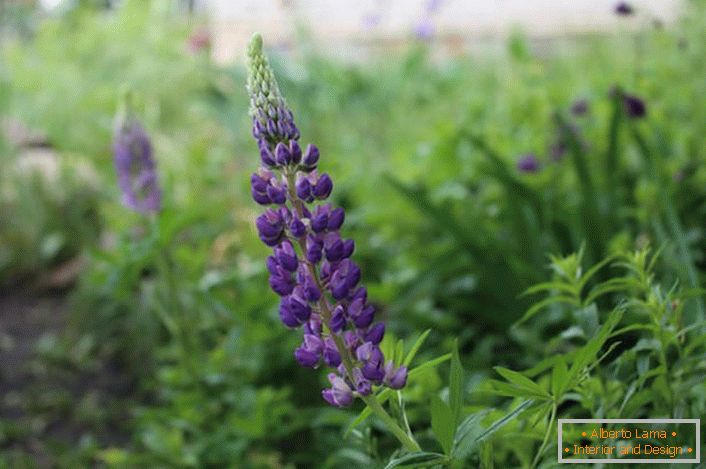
pixel 135 165
pixel 311 267
pixel 528 163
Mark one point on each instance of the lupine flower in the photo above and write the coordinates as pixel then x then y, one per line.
pixel 634 107
pixel 579 107
pixel 371 21
pixel 311 267
pixel 528 163
pixel 424 30
pixel 623 9
pixel 135 166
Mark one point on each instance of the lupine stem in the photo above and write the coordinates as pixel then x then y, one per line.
pixel 178 326
pixel 407 440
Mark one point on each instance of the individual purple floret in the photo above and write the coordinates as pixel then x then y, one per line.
pixel 311 267
pixel 135 166
pixel 623 9
pixel 634 107
pixel 528 163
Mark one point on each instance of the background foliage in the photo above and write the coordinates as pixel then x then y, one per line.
pixel 596 257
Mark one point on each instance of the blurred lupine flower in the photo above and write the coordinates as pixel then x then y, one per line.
pixel 135 165
pixel 634 107
pixel 371 21
pixel 528 163
pixel 424 30
pixel 311 267
pixel 432 6
pixel 579 107
pixel 623 9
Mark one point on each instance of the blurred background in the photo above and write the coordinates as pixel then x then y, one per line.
pixel 468 142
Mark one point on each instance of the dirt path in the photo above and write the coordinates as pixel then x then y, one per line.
pixel 53 397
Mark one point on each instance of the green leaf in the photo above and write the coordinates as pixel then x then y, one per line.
pixel 456 383
pixel 399 351
pixel 430 364
pixel 442 423
pixel 521 381
pixel 415 348
pixel 467 431
pixel 560 377
pixel 592 271
pixel 551 286
pixel 586 354
pixel 498 424
pixel 469 435
pixel 419 459
pixel 537 307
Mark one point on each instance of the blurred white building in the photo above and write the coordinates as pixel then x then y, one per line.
pixel 343 26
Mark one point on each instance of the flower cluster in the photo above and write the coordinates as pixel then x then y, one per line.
pixel 135 166
pixel 310 267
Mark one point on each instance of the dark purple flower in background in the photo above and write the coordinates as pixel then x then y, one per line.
pixel 623 9
pixel 580 107
pixel 311 267
pixel 634 107
pixel 135 166
pixel 528 163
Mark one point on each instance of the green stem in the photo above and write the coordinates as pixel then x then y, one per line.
pixel 408 442
pixel 547 434
pixel 178 326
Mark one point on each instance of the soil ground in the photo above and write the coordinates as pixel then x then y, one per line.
pixel 54 396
